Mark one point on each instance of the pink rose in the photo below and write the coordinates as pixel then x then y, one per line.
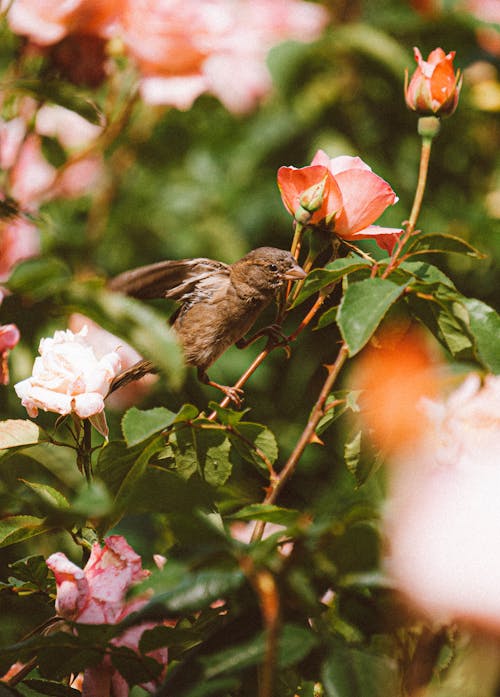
pixel 18 240
pixel 31 176
pixel 443 520
pixel 68 377
pixel 184 48
pixel 12 134
pixel 71 130
pixel 50 21
pixel 354 197
pixel 9 338
pixel 97 594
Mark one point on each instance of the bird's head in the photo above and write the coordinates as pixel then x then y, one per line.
pixel 267 268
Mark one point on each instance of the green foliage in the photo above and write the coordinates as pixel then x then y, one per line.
pixel 269 515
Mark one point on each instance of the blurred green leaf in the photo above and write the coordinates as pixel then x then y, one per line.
pixel 349 672
pixel 58 92
pixel 51 688
pixel 17 528
pixel 39 278
pixel 138 426
pixel 268 513
pixel 18 432
pixel 48 494
pixel 134 667
pixel 198 589
pixel 362 309
pixel 294 644
pixel 484 325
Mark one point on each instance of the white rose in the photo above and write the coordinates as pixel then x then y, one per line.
pixel 68 377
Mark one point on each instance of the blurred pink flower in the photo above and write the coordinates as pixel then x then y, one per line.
pixel 102 342
pixel 11 137
pixel 18 240
pixel 9 338
pixel 50 21
pixel 184 48
pixel 443 520
pixel 97 594
pixel 68 377
pixel 70 129
pixel 31 176
pixel 354 197
pixel 80 177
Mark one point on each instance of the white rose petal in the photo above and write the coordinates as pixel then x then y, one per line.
pixel 68 376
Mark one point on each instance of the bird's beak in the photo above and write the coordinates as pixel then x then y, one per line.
pixel 295 273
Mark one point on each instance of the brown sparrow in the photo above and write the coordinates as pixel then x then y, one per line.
pixel 219 303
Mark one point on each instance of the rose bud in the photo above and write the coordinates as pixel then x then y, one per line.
pixel 434 86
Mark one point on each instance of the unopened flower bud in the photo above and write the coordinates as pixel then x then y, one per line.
pixel 434 87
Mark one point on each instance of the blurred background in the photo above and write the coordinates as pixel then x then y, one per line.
pixel 202 182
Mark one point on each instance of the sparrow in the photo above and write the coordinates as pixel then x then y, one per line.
pixel 219 303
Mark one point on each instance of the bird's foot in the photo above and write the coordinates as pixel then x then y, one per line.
pixel 273 332
pixel 234 394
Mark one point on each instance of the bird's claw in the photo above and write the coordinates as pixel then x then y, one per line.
pixel 234 394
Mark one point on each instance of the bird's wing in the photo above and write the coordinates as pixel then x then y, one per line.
pixel 176 280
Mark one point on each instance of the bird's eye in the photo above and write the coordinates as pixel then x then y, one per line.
pixel 272 267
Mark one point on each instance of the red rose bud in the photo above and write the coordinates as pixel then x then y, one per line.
pixel 434 86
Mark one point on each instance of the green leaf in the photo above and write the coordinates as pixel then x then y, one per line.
pixel 134 668
pixel 268 513
pixel 51 688
pixel 138 426
pixel 446 317
pixel 427 273
pixel 440 242
pixel 294 644
pixel 198 590
pixel 18 432
pixel 39 278
pixel 17 528
pixel 48 494
pixel 30 575
pixel 126 489
pixel 362 309
pixel 328 317
pixel 321 278
pixel 484 324
pixel 62 93
pixel 250 439
pixel 349 672
pixel 166 492
pixel 217 466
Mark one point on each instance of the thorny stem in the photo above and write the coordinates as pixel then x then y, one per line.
pixel 85 451
pixel 266 589
pixel 307 435
pixel 425 154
